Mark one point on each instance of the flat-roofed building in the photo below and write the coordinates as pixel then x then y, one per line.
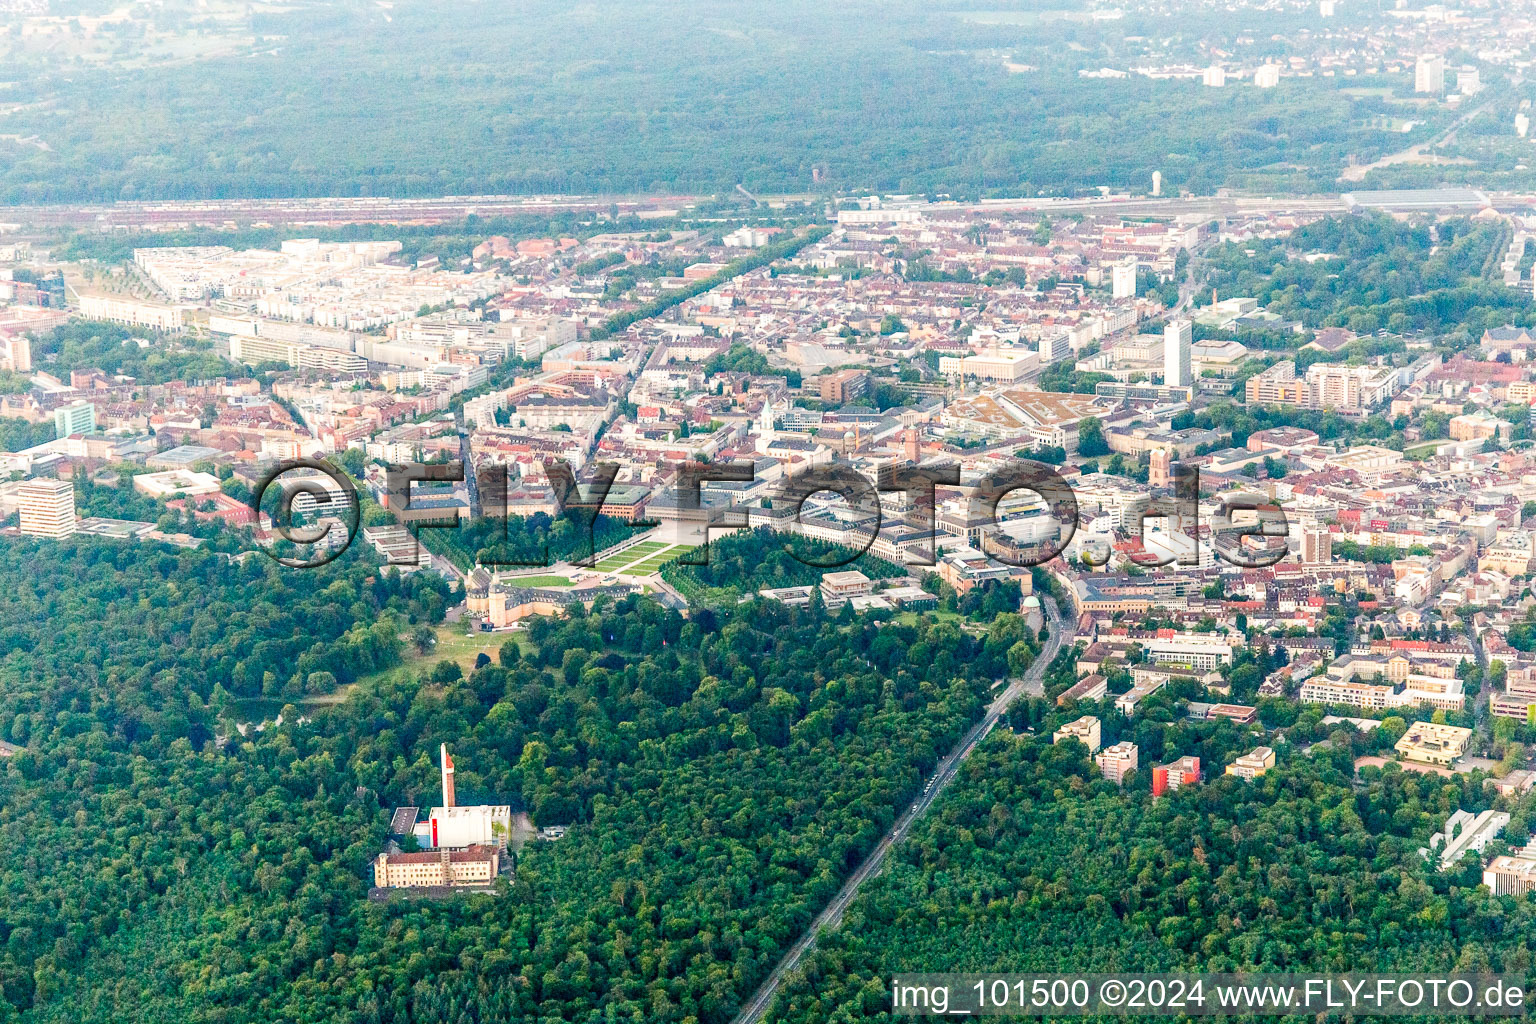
pixel 1239 713
pixel 74 418
pixel 839 587
pixel 46 507
pixel 1001 366
pixel 1127 701
pixel 1117 760
pixel 397 544
pixel 1277 385
pixel 1252 764
pixel 172 483
pixel 1430 743
pixel 1510 874
pixel 843 386
pixel 1201 652
pixel 1465 833
pixel 1085 729
pixel 1175 775
pixel 134 312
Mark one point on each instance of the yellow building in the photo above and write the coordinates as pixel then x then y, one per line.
pixel 1252 764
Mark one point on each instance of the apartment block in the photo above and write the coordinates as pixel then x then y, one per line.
pixel 1117 761
pixel 1085 729
pixel 1166 778
pixel 844 386
pixel 1252 764
pixel 47 508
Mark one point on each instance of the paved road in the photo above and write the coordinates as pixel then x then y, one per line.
pixel 832 916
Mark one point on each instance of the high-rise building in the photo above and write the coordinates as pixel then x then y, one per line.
pixel 1175 774
pixel 843 386
pixel 1522 124
pixel 18 352
pixel 1267 77
pixel 1429 74
pixel 1325 8
pixel 1157 183
pixel 1054 347
pixel 47 507
pixel 1316 545
pixel 75 418
pixel 1469 82
pixel 1085 729
pixel 1178 338
pixel 1123 278
pixel 1214 76
pixel 1117 761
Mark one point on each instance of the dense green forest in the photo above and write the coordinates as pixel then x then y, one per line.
pixel 723 774
pixel 525 540
pixel 1372 272
pixel 752 560
pixel 1034 863
pixel 96 344
pixel 469 98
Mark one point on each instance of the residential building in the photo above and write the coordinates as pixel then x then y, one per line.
pixel 1166 778
pixel 1117 760
pixel 1178 338
pixel 1277 385
pixel 134 312
pixel 1252 764
pixel 46 507
pixel 1316 545
pixel 1429 74
pixel 1123 279
pixel 1085 729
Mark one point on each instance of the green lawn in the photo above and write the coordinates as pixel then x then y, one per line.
pixel 642 559
pixel 539 581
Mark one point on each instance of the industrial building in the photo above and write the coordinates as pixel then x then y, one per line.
pixel 463 844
